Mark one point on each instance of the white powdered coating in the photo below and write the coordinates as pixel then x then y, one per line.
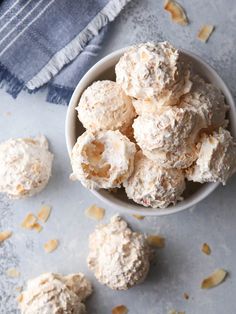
pixel 25 166
pixel 166 131
pixel 104 106
pixel 216 160
pixel 52 293
pixel 209 103
pixel 143 106
pixel 153 73
pixel 103 159
pixel 153 186
pixel 181 158
pixel 118 257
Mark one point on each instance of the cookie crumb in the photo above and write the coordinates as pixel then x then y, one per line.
pixel 186 296
pixel 19 298
pixel 18 289
pixel 12 273
pixel 206 249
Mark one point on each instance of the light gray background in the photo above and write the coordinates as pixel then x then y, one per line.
pixel 179 267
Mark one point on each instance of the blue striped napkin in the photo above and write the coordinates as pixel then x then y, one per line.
pixel 39 39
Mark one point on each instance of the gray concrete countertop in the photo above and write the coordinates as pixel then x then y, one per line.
pixel 179 267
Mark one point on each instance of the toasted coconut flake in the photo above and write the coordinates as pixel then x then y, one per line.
pixel 29 140
pixel 139 217
pixel 29 221
pixel 156 241
pixel 19 289
pixel 13 273
pixel 113 190
pixel 36 168
pixel 215 279
pixel 120 309
pixel 5 235
pixel 206 249
pixel 205 32
pixel 95 212
pixel 37 227
pixel 186 296
pixel 51 246
pixel 19 298
pixel 178 14
pixel 44 213
pixel 20 189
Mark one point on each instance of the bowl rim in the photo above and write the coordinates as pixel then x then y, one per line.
pixel 206 189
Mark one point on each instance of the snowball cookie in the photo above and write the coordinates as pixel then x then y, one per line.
pixel 153 186
pixel 208 101
pixel 217 158
pixel 103 159
pixel 154 73
pixel 166 131
pixel 181 158
pixel 26 165
pixel 104 106
pixel 53 293
pixel 118 257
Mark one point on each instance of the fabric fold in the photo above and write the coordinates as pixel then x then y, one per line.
pixel 41 39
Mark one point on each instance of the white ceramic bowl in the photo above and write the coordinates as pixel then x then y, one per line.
pixel 104 69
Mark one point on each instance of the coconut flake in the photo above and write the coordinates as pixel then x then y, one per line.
pixel 5 235
pixel 37 227
pixel 51 246
pixel 13 273
pixel 156 241
pixel 95 212
pixel 120 309
pixel 44 213
pixel 29 221
pixel 214 280
pixel 205 32
pixel 139 217
pixel 178 14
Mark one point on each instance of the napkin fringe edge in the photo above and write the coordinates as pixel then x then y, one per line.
pixel 10 82
pixel 59 94
pixel 76 46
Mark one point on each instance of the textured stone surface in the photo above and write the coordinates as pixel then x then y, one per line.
pixel 181 265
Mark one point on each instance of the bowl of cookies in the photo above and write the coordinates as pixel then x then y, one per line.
pixel 150 130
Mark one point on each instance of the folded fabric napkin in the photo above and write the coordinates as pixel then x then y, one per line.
pixel 39 39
